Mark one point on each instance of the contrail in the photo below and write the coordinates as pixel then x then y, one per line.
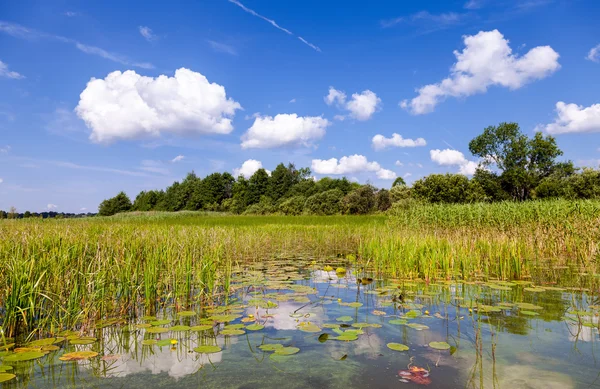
pixel 274 24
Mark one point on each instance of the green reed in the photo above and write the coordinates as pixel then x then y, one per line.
pixel 57 274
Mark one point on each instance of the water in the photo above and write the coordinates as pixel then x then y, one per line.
pixel 550 342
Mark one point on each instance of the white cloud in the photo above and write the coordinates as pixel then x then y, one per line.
pixel 406 175
pixel 71 14
pixel 147 33
pixel 1 180
pixel 5 149
pixel 222 47
pixel 486 60
pixel 292 101
pixel 380 142
pixel 419 165
pixel 340 118
pixel 473 4
pixel 21 32
pixel 348 165
pixel 450 157
pixel 274 24
pixel 4 72
pixel 248 168
pixel 52 206
pixel 83 209
pixel 573 118
pixel 427 22
pixel 398 163
pixel 284 130
pixel 594 54
pixel 129 106
pixel 361 105
pixel 178 158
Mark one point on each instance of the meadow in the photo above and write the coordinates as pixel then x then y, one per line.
pixel 57 274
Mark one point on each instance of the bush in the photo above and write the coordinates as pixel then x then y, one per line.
pixel 263 207
pixel 293 205
pixel 448 188
pixel 119 203
pixel 360 201
pixel 383 200
pixel 324 203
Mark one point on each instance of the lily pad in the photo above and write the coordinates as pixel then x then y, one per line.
pixel 270 346
pixel 207 349
pixel 163 342
pixel 287 350
pixel 397 346
pixel 5 368
pixel 355 305
pixel 22 357
pixel 309 328
pixel 83 340
pixel 203 327
pixel 344 319
pixel 149 342
pixel 180 328
pixel 186 313
pixel 528 313
pixel 232 332
pixel 6 377
pixel 42 342
pixel 143 325
pixel 398 322
pixel 157 330
pixel 413 314
pixel 78 356
pixel 418 327
pixel 349 337
pixel 255 327
pixel 160 322
pixel 439 345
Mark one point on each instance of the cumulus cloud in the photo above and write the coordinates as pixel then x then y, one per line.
pixel 147 33
pixel 398 163
pixel 284 130
pixel 127 105
pixel 4 72
pixel 450 157
pixel 573 118
pixel 348 165
pixel 52 206
pixel 380 142
pixel 178 158
pixel 248 168
pixel 361 105
pixel 594 54
pixel 486 60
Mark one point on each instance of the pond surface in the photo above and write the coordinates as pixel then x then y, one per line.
pixel 299 324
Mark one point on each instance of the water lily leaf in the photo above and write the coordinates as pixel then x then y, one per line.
pixel 234 327
pixel 529 306
pixel 207 349
pixel 5 368
pixel 78 356
pixel 534 290
pixel 6 377
pixel 346 337
pixel 413 314
pixel 398 322
pixel 328 325
pixel 270 346
pixel 323 338
pixel 439 345
pixel 83 340
pixel 180 328
pixel 157 330
pixel 344 319
pixel 366 325
pixel 255 327
pixel 149 318
pixel 50 347
pixel 232 332
pixel 143 325
pixel 528 313
pixel 309 328
pixel 163 342
pixel 186 313
pixel 160 322
pixel 203 327
pixel 42 342
pixel 149 342
pixel 397 346
pixel 26 356
pixel 355 305
pixel 287 350
pixel 418 327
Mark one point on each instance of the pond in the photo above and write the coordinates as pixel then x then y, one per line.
pixel 321 324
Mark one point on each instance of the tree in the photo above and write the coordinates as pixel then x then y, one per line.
pixel 12 213
pixel 447 188
pixel 3 214
pixel 119 203
pixel 383 200
pixel 523 162
pixel 147 201
pixel 292 206
pixel 324 203
pixel 360 201
pixel 399 181
pixel 258 185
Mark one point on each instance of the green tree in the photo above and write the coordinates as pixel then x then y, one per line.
pixel 360 201
pixel 239 195
pixel 258 185
pixel 147 200
pixel 522 162
pixel 399 181
pixel 119 203
pixel 292 206
pixel 447 188
pixel 383 200
pixel 282 179
pixel 324 203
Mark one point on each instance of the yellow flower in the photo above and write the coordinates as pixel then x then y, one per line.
pixel 173 341
pixel 427 312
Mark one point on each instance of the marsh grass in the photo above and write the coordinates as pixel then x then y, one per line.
pixel 57 274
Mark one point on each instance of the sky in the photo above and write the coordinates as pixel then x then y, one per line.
pixel 99 97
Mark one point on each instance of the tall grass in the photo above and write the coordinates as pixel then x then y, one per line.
pixel 65 273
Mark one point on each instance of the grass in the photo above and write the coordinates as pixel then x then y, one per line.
pixel 57 274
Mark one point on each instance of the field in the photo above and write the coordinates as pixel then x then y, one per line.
pixel 57 274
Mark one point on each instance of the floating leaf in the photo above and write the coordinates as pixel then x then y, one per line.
pixel 366 325
pixel 529 307
pixel 397 346
pixel 26 356
pixel 323 338
pixel 528 313
pixel 344 319
pixel 203 327
pixel 439 345
pixel 186 313
pixel 160 322
pixel 143 325
pixel 6 377
pixel 534 290
pixel 309 328
pixel 78 356
pixel 157 330
pixel 83 340
pixel 328 325
pixel 398 322
pixel 378 313
pixel 42 342
pixel 163 342
pixel 180 328
pixel 255 327
pixel 287 350
pixel 270 346
pixel 346 337
pixel 355 305
pixel 418 327
pixel 413 314
pixel 149 342
pixel 232 332
pixel 207 349
pixel 5 368
pixel 50 347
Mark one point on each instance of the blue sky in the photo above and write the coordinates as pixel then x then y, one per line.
pixel 226 85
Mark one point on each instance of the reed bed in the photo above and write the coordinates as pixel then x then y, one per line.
pixel 57 274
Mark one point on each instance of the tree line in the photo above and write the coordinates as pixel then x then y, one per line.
pixel 512 167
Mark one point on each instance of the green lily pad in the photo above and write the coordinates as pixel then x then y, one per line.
pixel 149 342
pixel 203 327
pixel 413 314
pixel 22 357
pixel 287 350
pixel 534 290
pixel 163 342
pixel 5 368
pixel 418 327
pixel 6 377
pixel 232 332
pixel 255 327
pixel 355 305
pixel 270 346
pixel 83 340
pixel 180 328
pixel 528 313
pixel 186 313
pixel 160 322
pixel 349 337
pixel 529 306
pixel 78 356
pixel 42 342
pixel 329 325
pixel 398 322
pixel 157 330
pixel 207 349
pixel 397 346
pixel 344 319
pixel 234 327
pixel 143 325
pixel 439 345
pixel 309 328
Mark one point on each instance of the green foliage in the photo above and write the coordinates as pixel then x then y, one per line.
pixel 360 201
pixel 258 185
pixel 119 203
pixel 447 188
pixel 147 201
pixel 324 203
pixel 292 206
pixel 263 207
pixel 383 200
pixel 399 182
